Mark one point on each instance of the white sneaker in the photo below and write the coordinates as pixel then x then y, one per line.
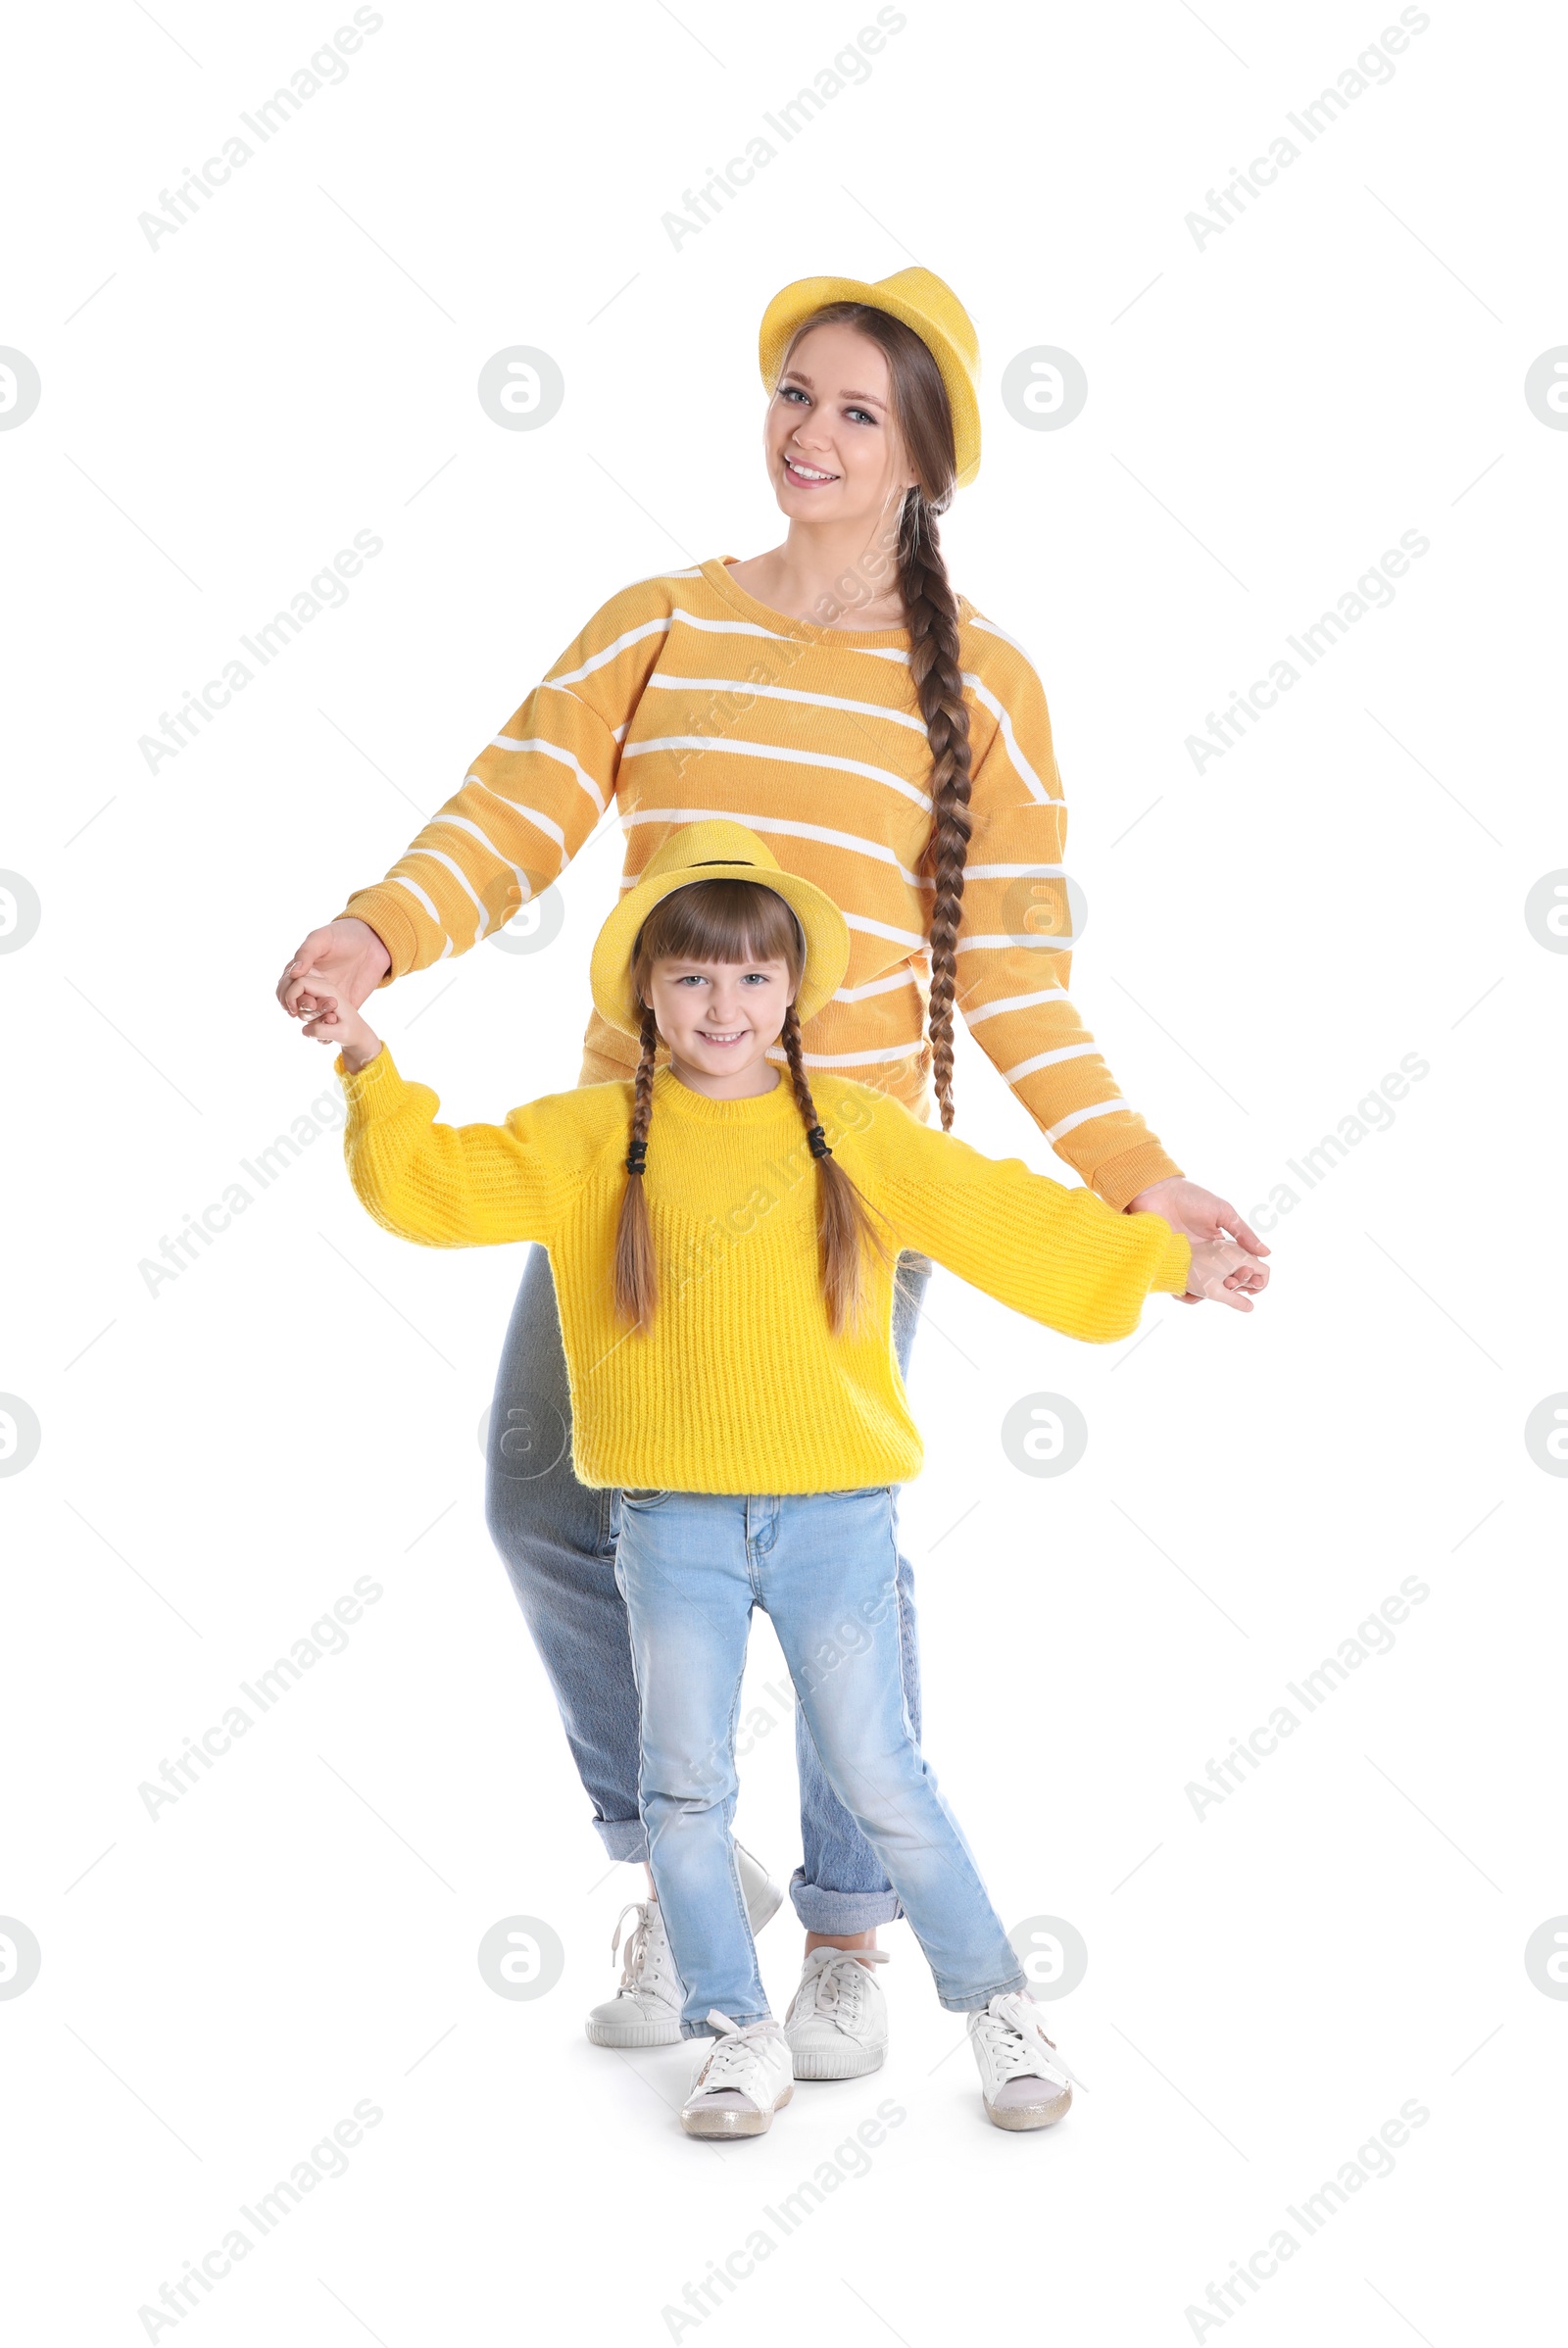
pixel 742 2079
pixel 1023 2082
pixel 837 2025
pixel 645 2010
pixel 764 1897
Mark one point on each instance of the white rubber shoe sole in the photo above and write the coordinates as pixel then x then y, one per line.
pixel 602 2032
pixel 1044 2113
pixel 845 2061
pixel 727 2119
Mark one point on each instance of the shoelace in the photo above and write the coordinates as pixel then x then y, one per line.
pixel 638 1942
pixel 732 2053
pixel 1015 2039
pixel 839 1982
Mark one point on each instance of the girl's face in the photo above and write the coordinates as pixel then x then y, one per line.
pixel 718 1019
pixel 833 450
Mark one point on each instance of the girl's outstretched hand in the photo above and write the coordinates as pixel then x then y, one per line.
pixel 345 1031
pixel 1223 1272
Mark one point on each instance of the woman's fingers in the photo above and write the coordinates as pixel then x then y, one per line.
pixel 1231 1229
pixel 288 986
pixel 310 978
pixel 1231 1225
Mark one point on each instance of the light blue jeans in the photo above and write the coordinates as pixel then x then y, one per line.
pixel 824 1568
pixel 556 1538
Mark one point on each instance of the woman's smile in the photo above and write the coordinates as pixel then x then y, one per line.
pixel 809 476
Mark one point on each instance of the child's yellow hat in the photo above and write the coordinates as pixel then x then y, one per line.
pixel 926 305
pixel 715 848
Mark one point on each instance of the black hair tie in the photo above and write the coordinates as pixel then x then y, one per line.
pixel 637 1157
pixel 819 1140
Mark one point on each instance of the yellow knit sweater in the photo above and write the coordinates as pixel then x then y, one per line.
pixel 684 696
pixel 740 1385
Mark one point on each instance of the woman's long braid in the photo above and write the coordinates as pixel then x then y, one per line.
pixel 844 1224
pixel 936 665
pixel 636 1275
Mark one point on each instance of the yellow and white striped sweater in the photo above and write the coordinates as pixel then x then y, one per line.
pixel 685 698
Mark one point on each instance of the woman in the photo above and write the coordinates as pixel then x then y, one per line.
pixel 835 696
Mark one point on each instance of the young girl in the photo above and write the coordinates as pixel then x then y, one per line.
pixel 890 743
pixel 722 1247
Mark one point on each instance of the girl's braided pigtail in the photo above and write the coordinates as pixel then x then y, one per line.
pixel 845 1228
pixel 636 1275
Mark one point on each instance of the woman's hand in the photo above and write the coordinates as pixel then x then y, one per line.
pixel 1220 1271
pixel 348 1031
pixel 1202 1217
pixel 339 964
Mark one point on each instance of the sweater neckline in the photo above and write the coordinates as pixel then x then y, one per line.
pixel 671 1098
pixel 804 631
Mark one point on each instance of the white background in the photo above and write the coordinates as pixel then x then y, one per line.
pixel 1268 1983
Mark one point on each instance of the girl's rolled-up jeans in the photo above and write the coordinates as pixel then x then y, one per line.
pixel 824 1567
pixel 557 1537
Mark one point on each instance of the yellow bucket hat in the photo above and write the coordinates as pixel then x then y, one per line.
pixel 924 303
pixel 715 849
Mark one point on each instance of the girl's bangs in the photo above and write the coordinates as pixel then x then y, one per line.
pixel 723 922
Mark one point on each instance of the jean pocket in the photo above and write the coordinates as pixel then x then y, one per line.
pixel 631 1497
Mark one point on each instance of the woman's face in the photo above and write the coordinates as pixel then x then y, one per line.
pixel 833 450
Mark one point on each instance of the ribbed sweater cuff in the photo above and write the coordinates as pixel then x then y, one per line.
pixel 380 911
pixel 1122 1177
pixel 371 1088
pixel 1175 1264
